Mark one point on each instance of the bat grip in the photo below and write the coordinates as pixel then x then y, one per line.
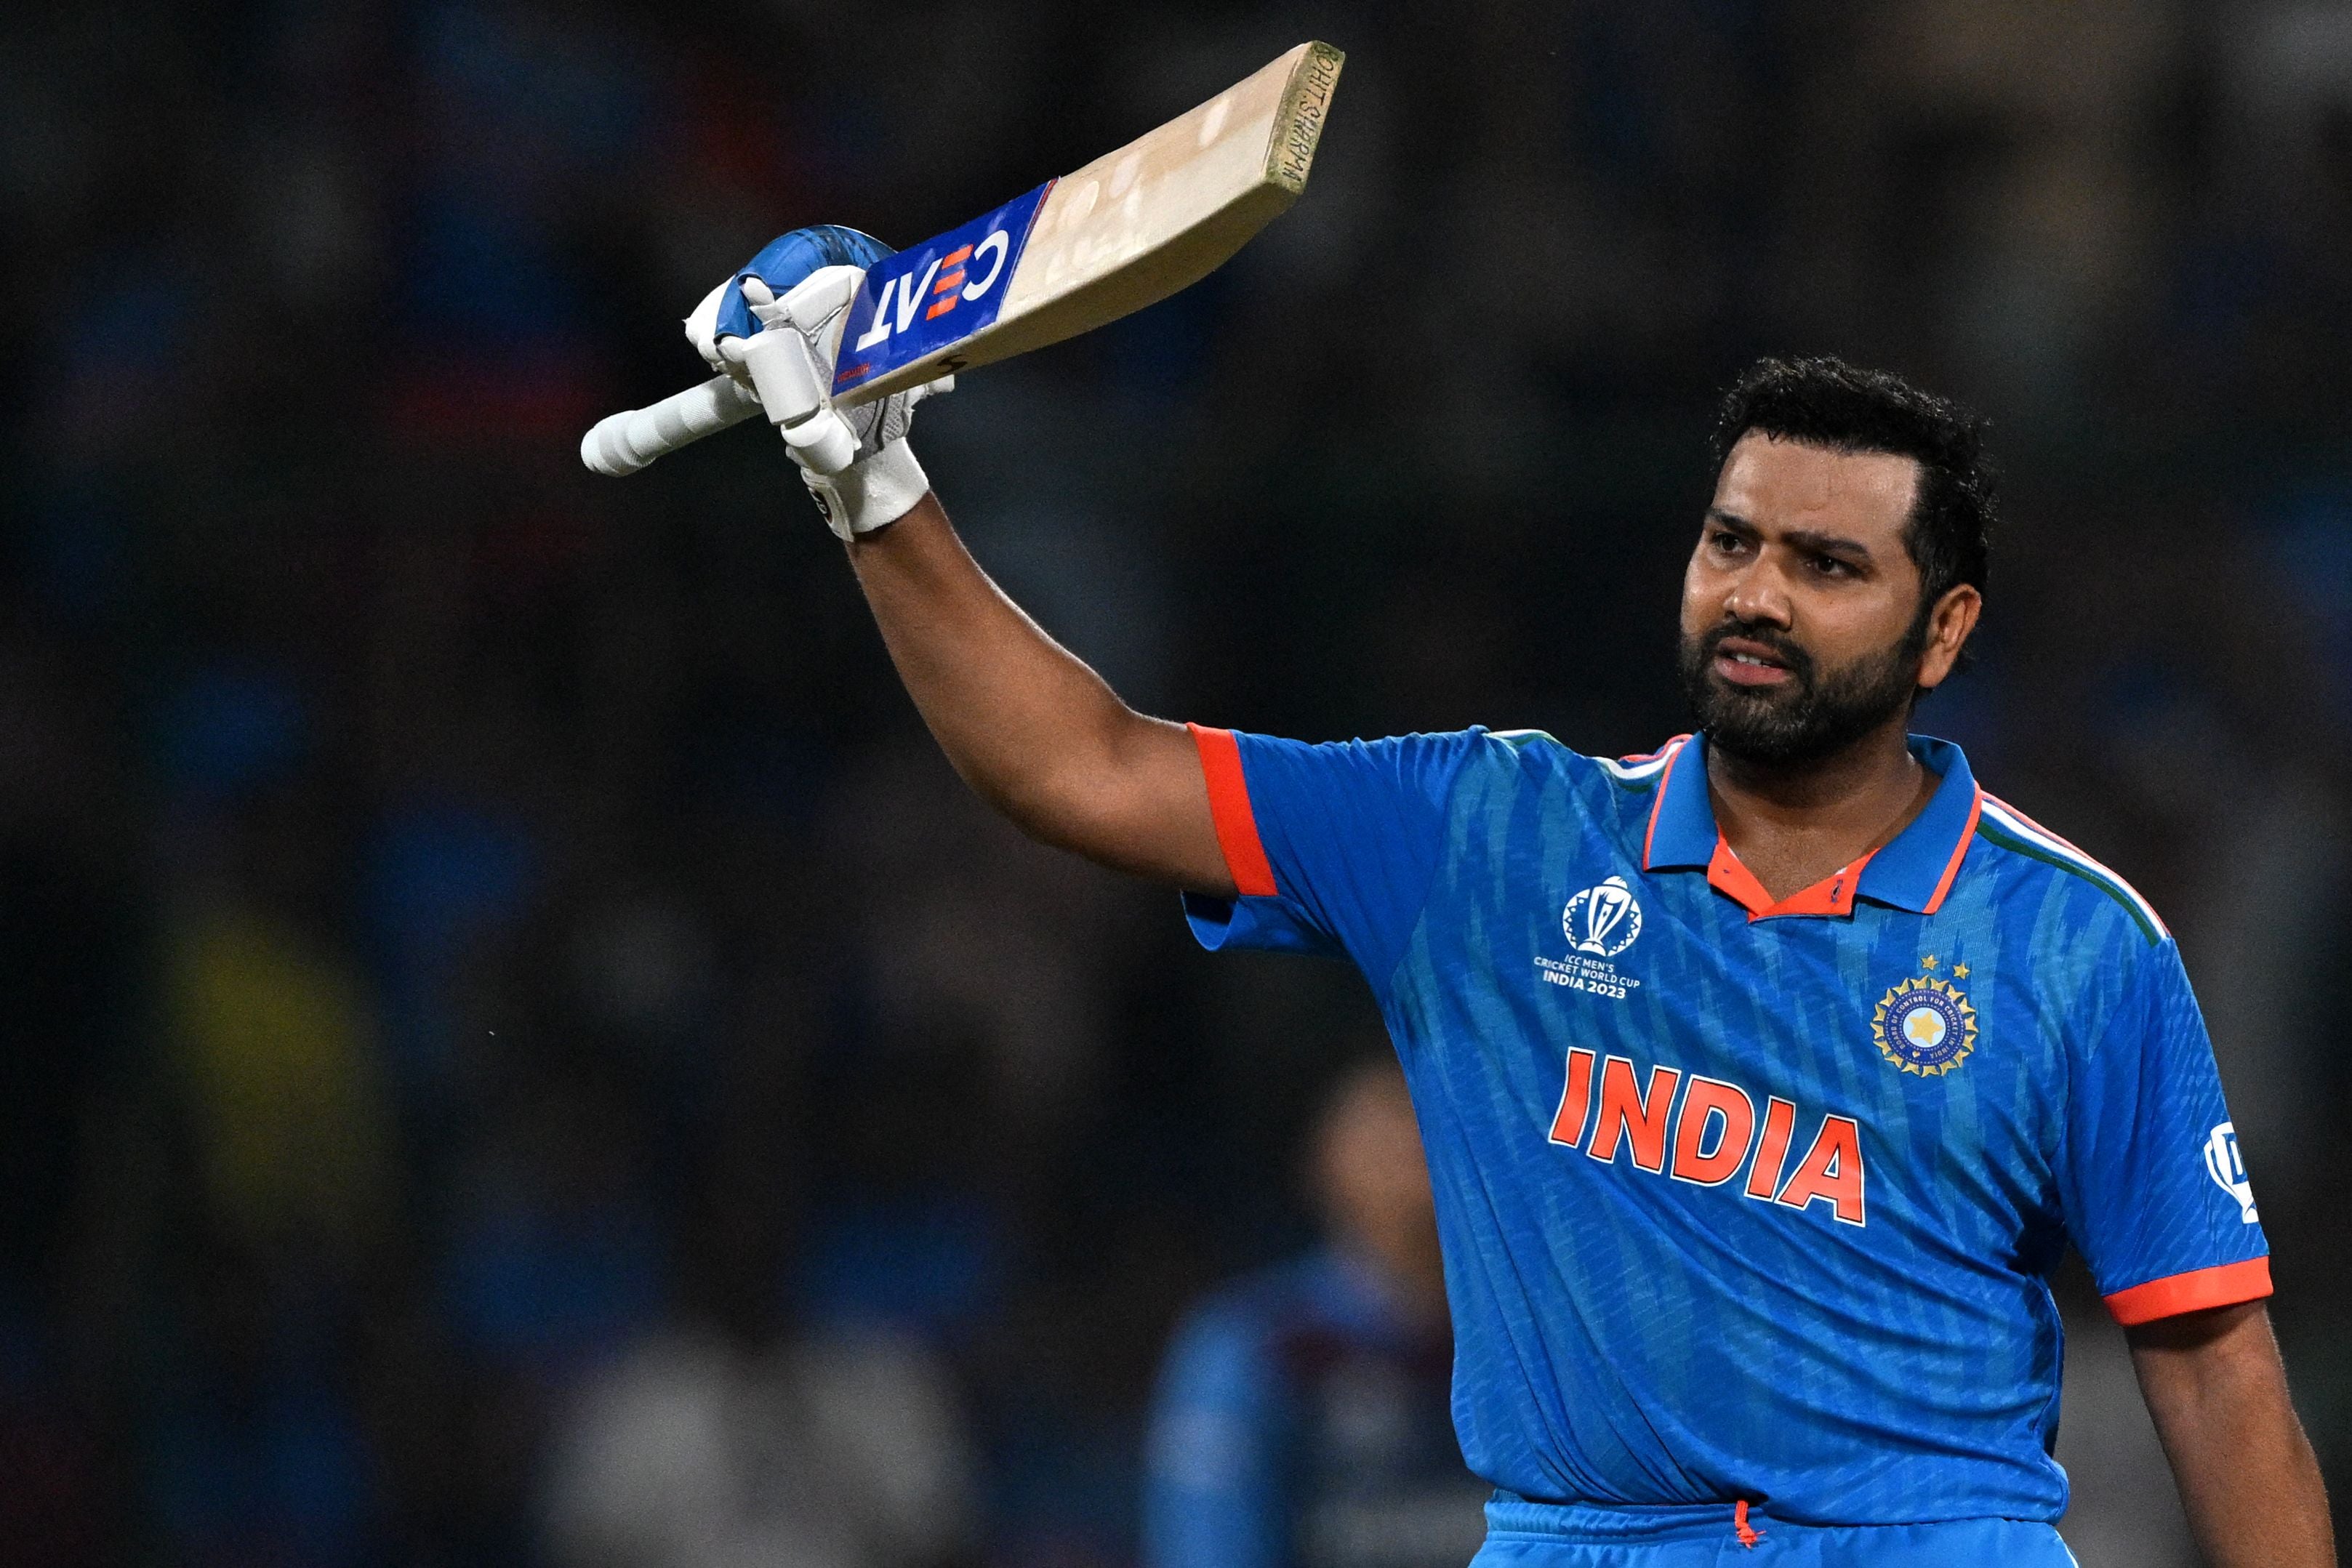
pixel 620 443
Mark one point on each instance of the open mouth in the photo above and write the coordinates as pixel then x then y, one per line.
pixel 1747 663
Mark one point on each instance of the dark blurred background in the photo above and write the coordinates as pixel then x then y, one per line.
pixel 490 967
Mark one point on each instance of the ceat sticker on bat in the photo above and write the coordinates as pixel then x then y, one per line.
pixel 929 298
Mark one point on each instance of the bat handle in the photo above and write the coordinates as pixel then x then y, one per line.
pixel 620 443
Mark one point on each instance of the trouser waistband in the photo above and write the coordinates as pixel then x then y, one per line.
pixel 1509 1512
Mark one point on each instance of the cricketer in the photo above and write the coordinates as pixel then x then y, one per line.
pixel 1764 1079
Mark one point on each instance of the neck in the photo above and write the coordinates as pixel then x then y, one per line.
pixel 1794 824
pixel 1879 763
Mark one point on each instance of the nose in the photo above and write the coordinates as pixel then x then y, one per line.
pixel 1757 595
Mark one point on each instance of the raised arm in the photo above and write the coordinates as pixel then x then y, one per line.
pixel 2249 1484
pixel 1026 723
pixel 1037 733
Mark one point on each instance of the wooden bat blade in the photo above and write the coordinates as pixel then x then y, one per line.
pixel 1126 231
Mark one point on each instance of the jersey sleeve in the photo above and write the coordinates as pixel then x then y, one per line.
pixel 2155 1195
pixel 1213 1477
pixel 1333 847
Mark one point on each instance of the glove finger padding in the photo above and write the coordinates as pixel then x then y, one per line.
pixel 856 461
pixel 702 330
pixel 818 308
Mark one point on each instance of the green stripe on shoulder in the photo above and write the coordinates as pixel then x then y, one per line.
pixel 1517 738
pixel 1994 833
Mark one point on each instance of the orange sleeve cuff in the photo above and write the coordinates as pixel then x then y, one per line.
pixel 1229 808
pixel 2225 1286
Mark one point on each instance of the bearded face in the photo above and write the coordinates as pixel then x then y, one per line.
pixel 1805 711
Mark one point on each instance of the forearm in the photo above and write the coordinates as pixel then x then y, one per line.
pixel 2248 1480
pixel 1024 722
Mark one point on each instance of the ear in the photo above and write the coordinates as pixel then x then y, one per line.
pixel 1948 626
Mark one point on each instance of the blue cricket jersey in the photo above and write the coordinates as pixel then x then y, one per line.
pixel 1301 1422
pixel 1744 1200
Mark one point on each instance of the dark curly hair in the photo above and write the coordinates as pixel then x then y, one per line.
pixel 1827 402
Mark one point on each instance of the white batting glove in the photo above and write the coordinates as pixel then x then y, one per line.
pixel 855 461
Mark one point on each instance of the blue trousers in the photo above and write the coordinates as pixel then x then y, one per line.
pixel 1522 1534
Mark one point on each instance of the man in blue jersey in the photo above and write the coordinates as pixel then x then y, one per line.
pixel 1302 1418
pixel 1764 1079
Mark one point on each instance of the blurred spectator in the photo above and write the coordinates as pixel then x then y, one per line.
pixel 555 1253
pixel 253 1441
pixel 733 1437
pixel 270 1029
pixel 280 1079
pixel 1304 1419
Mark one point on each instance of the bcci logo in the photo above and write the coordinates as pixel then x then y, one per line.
pixel 1925 1027
pixel 1602 921
pixel 2228 1169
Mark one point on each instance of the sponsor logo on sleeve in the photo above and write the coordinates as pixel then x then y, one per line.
pixel 2228 1169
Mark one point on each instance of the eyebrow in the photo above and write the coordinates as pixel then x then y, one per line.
pixel 1802 538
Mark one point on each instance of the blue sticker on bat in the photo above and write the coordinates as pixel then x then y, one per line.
pixel 932 296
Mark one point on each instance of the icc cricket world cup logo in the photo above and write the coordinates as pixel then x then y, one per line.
pixel 1602 921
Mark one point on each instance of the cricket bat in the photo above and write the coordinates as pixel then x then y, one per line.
pixel 1127 231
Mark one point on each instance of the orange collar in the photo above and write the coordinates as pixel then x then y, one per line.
pixel 1833 895
pixel 1915 870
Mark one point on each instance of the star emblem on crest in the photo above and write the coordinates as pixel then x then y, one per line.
pixel 1925 1027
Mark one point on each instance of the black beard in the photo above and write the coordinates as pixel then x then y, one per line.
pixel 1809 716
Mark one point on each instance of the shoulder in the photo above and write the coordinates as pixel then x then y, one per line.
pixel 1643 774
pixel 1307 1294
pixel 1229 1342
pixel 1432 753
pixel 2062 890
pixel 1481 781
pixel 1514 784
pixel 1536 754
pixel 1264 1300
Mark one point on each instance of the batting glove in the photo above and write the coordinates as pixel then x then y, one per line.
pixel 855 461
